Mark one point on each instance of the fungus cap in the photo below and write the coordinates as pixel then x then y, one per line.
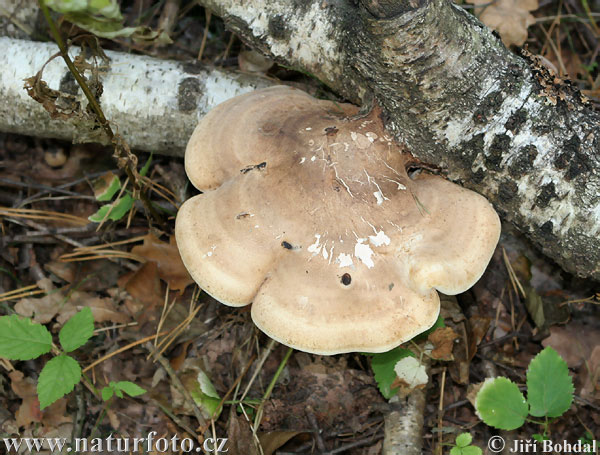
pixel 309 214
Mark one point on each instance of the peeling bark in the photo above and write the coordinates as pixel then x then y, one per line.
pixel 154 104
pixel 458 99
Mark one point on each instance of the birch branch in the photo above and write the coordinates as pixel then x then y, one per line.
pixel 452 92
pixel 155 104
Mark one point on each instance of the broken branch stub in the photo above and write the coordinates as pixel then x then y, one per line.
pixel 309 214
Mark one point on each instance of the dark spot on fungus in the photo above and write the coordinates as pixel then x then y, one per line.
pixel 188 93
pixel 259 167
pixel 546 194
pixel 346 279
pixel 287 245
pixel 522 163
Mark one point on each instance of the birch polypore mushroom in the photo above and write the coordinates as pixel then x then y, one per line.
pixel 308 213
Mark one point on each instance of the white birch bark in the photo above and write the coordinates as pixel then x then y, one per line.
pixel 154 104
pixel 458 99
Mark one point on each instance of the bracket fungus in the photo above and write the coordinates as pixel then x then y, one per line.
pixel 308 213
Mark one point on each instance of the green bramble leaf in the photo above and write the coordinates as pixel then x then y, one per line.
pixel 77 330
pixel 22 339
pixel 383 368
pixel 58 377
pixel 107 393
pixel 549 386
pixel 500 404
pixel 131 389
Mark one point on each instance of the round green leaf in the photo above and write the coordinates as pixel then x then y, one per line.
pixel 77 330
pixel 464 439
pixel 500 404
pixel 58 377
pixel 549 386
pixel 471 450
pixel 21 339
pixel 455 451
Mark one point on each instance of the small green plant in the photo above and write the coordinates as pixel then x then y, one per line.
pixel 500 403
pixel 384 364
pixel 22 339
pixel 463 446
pixel 105 188
pixel 117 388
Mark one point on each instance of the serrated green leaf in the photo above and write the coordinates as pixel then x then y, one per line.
pixel 58 377
pixel 500 404
pixel 77 330
pixel 471 450
pixel 383 368
pixel 464 439
pixel 121 207
pixel 131 389
pixel 21 339
pixel 107 393
pixel 455 451
pixel 549 386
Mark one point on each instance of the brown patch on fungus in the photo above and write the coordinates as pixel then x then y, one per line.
pixel 374 227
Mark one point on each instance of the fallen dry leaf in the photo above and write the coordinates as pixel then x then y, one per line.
pixel 103 309
pixel 510 18
pixel 144 285
pixel 29 410
pixel 166 256
pixel 442 339
pixel 273 440
pixel 41 310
